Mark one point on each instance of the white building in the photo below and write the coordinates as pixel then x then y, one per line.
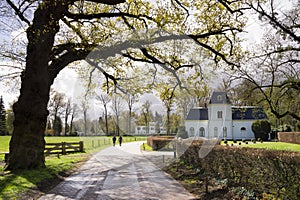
pixel 221 119
pixel 145 130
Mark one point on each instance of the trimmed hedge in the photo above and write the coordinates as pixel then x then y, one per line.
pixel 260 170
pixel 160 142
pixel 290 137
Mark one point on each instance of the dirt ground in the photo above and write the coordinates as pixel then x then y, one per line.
pixel 201 188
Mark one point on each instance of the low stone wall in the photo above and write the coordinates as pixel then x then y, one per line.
pixel 290 137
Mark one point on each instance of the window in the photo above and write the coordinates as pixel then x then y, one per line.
pixel 202 132
pixel 220 113
pixel 225 132
pixel 192 132
pixel 215 132
pixel 219 98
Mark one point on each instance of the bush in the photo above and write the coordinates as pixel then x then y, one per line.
pixel 261 128
pixel 182 133
pixel 257 170
pixel 160 142
pixel 285 128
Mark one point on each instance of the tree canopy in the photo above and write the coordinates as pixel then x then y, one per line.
pixel 117 38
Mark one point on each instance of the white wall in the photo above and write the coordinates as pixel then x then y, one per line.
pixel 243 134
pixel 196 125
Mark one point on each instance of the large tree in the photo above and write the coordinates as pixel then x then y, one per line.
pixel 270 74
pixel 60 32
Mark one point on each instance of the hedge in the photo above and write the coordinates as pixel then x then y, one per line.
pixel 259 170
pixel 160 142
pixel 290 137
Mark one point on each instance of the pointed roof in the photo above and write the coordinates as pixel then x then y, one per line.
pixel 198 114
pixel 219 98
pixel 248 113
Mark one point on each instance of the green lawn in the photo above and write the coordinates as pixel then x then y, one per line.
pixel 269 145
pixel 275 145
pixel 4 143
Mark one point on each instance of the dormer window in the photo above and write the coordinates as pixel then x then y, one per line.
pixel 219 98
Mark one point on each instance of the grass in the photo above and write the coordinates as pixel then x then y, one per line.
pixel 275 146
pixel 268 145
pixel 15 185
pixel 146 147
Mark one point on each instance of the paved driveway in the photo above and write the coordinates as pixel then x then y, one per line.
pixel 121 173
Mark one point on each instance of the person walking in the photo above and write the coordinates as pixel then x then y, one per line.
pixel 120 140
pixel 114 140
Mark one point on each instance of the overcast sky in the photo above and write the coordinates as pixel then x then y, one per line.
pixel 67 81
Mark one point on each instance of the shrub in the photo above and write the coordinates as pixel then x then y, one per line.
pixel 259 170
pixel 160 142
pixel 182 133
pixel 261 128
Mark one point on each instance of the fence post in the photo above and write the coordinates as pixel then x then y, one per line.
pixel 63 148
pixel 81 146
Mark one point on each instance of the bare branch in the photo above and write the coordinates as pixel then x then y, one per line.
pixel 18 12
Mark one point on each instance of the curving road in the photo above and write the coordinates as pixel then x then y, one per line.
pixel 121 172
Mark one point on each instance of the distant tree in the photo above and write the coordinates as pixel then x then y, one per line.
pixel 261 129
pixel 175 122
pixel 3 128
pixel 298 126
pixel 73 114
pixel 104 99
pixel 182 133
pixel 117 108
pixel 167 95
pixel 68 110
pixel 84 108
pixel 49 125
pixel 10 119
pixel 57 125
pixel 55 106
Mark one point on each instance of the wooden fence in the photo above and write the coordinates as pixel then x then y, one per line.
pixel 64 147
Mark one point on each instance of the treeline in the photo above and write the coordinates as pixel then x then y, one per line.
pixel 67 118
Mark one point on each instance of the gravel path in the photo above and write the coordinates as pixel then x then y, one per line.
pixel 121 172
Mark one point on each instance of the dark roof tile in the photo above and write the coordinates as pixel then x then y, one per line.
pixel 198 114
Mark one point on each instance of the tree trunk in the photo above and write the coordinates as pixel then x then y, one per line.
pixel 106 120
pixel 27 143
